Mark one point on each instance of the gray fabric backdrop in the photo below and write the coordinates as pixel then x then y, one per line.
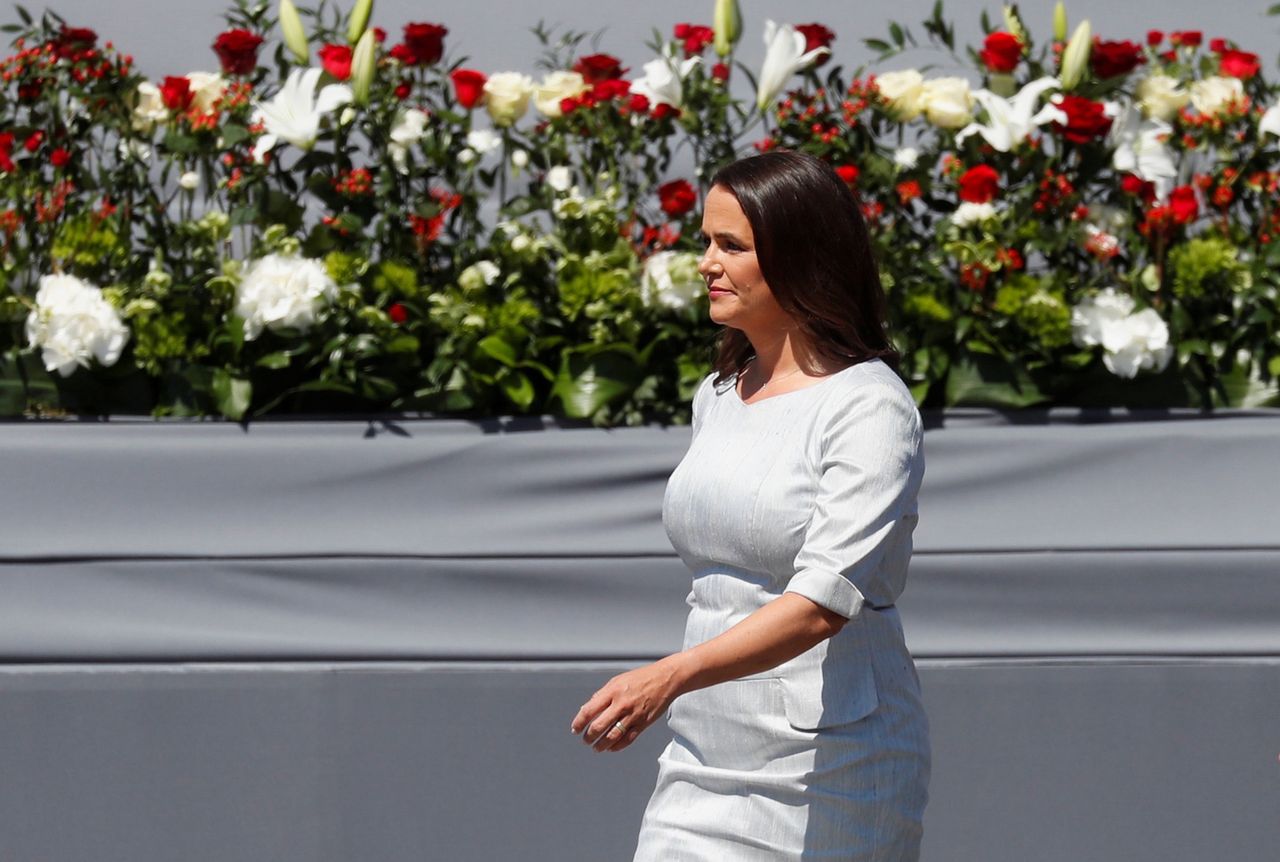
pixel 337 640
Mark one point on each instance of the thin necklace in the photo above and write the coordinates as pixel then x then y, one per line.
pixel 767 383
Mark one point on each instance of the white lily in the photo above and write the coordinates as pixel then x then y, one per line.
pixel 409 128
pixel 1270 121
pixel 295 112
pixel 1140 148
pixel 662 83
pixel 784 56
pixel 1009 121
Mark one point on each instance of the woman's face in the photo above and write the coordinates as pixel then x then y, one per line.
pixel 739 296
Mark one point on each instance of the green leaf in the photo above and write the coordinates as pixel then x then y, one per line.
pixel 233 134
pixel 586 383
pixel 22 382
pixel 878 45
pixel 895 31
pixel 985 381
pixel 519 389
pixel 403 344
pixel 1241 390
pixel 275 361
pixel 177 142
pixel 232 394
pixel 497 348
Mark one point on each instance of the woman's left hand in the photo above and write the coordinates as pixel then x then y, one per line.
pixel 627 704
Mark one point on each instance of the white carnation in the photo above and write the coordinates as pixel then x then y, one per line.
pixel 906 157
pixel 671 280
pixel 283 292
pixel 73 324
pixel 1130 342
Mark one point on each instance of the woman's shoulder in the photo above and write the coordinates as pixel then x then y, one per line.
pixel 871 389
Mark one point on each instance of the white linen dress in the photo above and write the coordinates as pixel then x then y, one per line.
pixel 825 756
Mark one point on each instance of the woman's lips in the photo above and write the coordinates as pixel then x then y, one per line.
pixel 713 291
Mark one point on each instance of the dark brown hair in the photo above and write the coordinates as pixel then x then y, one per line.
pixel 814 253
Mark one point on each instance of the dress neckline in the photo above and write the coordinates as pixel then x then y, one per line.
pixel 738 397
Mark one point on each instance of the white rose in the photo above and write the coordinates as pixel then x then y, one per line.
pixel 189 181
pixel 73 324
pixel 904 91
pixel 466 156
pixel 906 157
pixel 970 213
pixel 279 292
pixel 149 108
pixel 479 275
pixel 554 87
pixel 1161 97
pixel 559 178
pixel 484 140
pixel 948 103
pixel 671 280
pixel 1212 95
pixel 206 88
pixel 520 159
pixel 507 96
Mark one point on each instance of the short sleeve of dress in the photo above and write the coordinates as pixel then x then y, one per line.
pixel 858 541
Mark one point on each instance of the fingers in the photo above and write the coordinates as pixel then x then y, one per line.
pixel 619 735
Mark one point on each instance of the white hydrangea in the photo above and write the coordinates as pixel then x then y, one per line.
pixel 73 324
pixel 1130 342
pixel 971 213
pixel 283 292
pixel 671 280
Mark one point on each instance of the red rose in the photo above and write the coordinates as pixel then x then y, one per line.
pixel 816 36
pixel 1190 38
pixel 59 157
pixel 397 312
pixel 1154 37
pixel 696 38
pixel 402 90
pixel 237 50
pixel 468 86
pixel 1183 204
pixel 1239 64
pixel 848 173
pixel 1086 119
pixel 1218 45
pixel 595 68
pixel 176 93
pixel 611 89
pixel 379 35
pixel 6 152
pixel 568 105
pixel 425 42
pixel 677 198
pixel 72 40
pixel 720 72
pixel 980 184
pixel 33 141
pixel 638 104
pixel 1110 59
pixel 662 110
pixel 1001 52
pixel 1131 184
pixel 336 60
pixel 404 54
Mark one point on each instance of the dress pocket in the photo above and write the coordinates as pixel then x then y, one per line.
pixel 832 684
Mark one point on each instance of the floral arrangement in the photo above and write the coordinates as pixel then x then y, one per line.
pixel 334 222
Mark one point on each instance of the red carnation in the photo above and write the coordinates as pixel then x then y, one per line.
pixel 696 38
pixel 1001 52
pixel 1154 37
pixel 176 93
pixel 1183 204
pixel 424 43
pixel 662 110
pixel 1239 64
pixel 816 36
pixel 1189 38
pixel 638 103
pixel 237 50
pixel 979 184
pixel 1218 45
pixel 720 72
pixel 468 86
pixel 59 158
pixel 379 35
pixel 336 60
pixel 397 312
pixel 677 198
pixel 1134 185
pixel 595 68
pixel 848 173
pixel 1110 59
pixel 1086 119
pixel 33 141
